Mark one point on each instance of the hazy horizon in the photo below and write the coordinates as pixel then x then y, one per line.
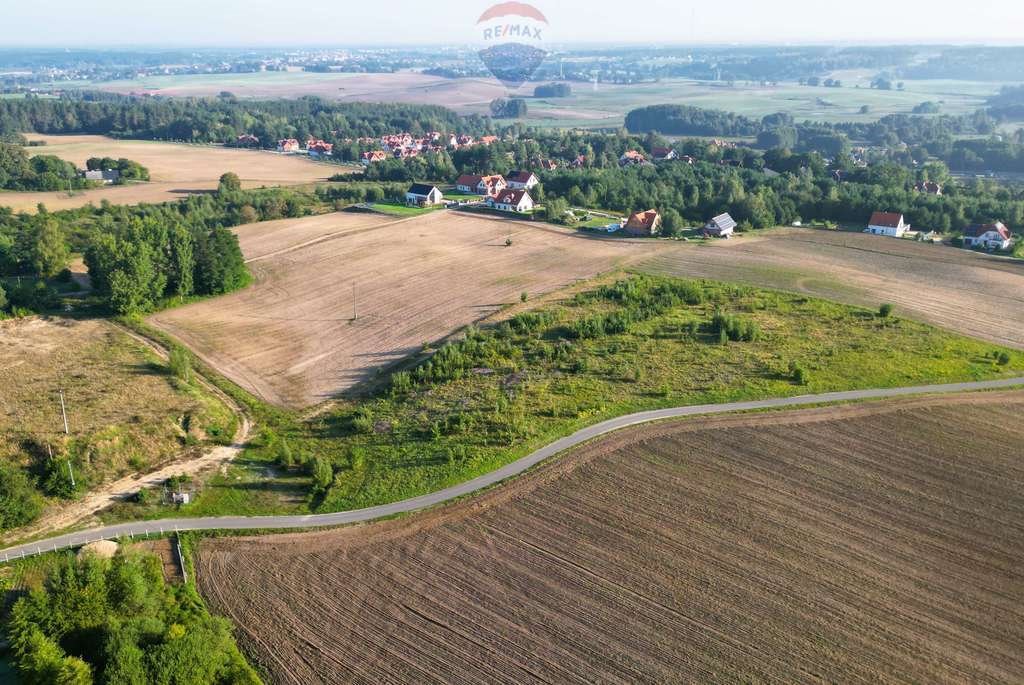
pixel 316 23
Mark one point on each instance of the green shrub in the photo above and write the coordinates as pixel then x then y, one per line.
pixel 797 373
pixel 179 363
pixel 885 311
pixel 1003 358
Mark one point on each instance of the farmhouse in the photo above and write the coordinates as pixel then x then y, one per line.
pixel 511 201
pixel 548 164
pixel 107 176
pixel 247 140
pixel 481 185
pixel 643 223
pixel 522 180
pixel 663 154
pixel 288 145
pixel 721 226
pixel 487 140
pixel 632 157
pixel 579 162
pixel 988 236
pixel 929 187
pixel 887 223
pixel 373 156
pixel 423 195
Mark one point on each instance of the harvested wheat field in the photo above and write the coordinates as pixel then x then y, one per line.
pixel 864 543
pixel 968 292
pixel 176 170
pixel 292 338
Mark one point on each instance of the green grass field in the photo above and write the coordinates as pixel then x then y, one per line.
pixel 509 390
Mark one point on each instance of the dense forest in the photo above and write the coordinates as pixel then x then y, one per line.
pixel 116 621
pixel 218 120
pixel 18 171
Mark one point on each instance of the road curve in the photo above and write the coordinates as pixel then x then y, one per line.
pixel 441 496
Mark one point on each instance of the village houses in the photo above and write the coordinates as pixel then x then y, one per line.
pixel 994 236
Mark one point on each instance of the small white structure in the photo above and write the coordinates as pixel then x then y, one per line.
pixel 887 223
pixel 721 226
pixel 988 236
pixel 511 201
pixel 423 195
pixel 522 180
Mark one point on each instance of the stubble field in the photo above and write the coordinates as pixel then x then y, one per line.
pixel 875 542
pixel 292 339
pixel 176 170
pixel 964 291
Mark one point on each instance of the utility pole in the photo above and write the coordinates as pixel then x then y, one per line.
pixel 64 412
pixel 354 313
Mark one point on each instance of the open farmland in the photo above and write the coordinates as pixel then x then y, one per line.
pixel 603 106
pixel 964 291
pixel 875 542
pixel 292 339
pixel 176 170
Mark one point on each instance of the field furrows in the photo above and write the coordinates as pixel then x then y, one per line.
pixel 863 543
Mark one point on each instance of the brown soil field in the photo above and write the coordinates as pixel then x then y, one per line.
pixel 291 338
pixel 876 542
pixel 971 293
pixel 175 170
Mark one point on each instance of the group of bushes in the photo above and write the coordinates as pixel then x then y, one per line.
pixel 116 621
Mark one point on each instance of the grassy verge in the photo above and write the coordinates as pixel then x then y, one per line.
pixel 647 343
pixel 126 412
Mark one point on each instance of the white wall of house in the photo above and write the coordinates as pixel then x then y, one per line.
pixel 891 231
pixel 989 241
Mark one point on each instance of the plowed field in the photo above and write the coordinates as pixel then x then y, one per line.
pixel 877 542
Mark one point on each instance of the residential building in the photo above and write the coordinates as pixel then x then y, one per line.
pixel 481 185
pixel 423 195
pixel 522 180
pixel 632 157
pixel 511 201
pixel 663 154
pixel 887 223
pixel 107 176
pixel 318 148
pixel 988 236
pixel 288 145
pixel 373 156
pixel 643 223
pixel 721 226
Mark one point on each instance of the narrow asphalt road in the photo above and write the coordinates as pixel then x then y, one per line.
pixel 462 489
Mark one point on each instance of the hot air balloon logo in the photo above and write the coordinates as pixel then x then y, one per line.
pixel 512 35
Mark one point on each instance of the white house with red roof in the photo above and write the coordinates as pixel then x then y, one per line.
pixel 512 201
pixel 522 180
pixel 481 185
pixel 373 156
pixel 288 145
pixel 887 223
pixel 988 236
pixel 632 157
pixel 663 154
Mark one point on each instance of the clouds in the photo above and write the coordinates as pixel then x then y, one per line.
pixel 100 23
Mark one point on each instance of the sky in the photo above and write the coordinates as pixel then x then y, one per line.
pixel 229 23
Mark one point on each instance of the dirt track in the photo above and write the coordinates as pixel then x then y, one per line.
pixel 867 542
pixel 291 338
pixel 964 291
